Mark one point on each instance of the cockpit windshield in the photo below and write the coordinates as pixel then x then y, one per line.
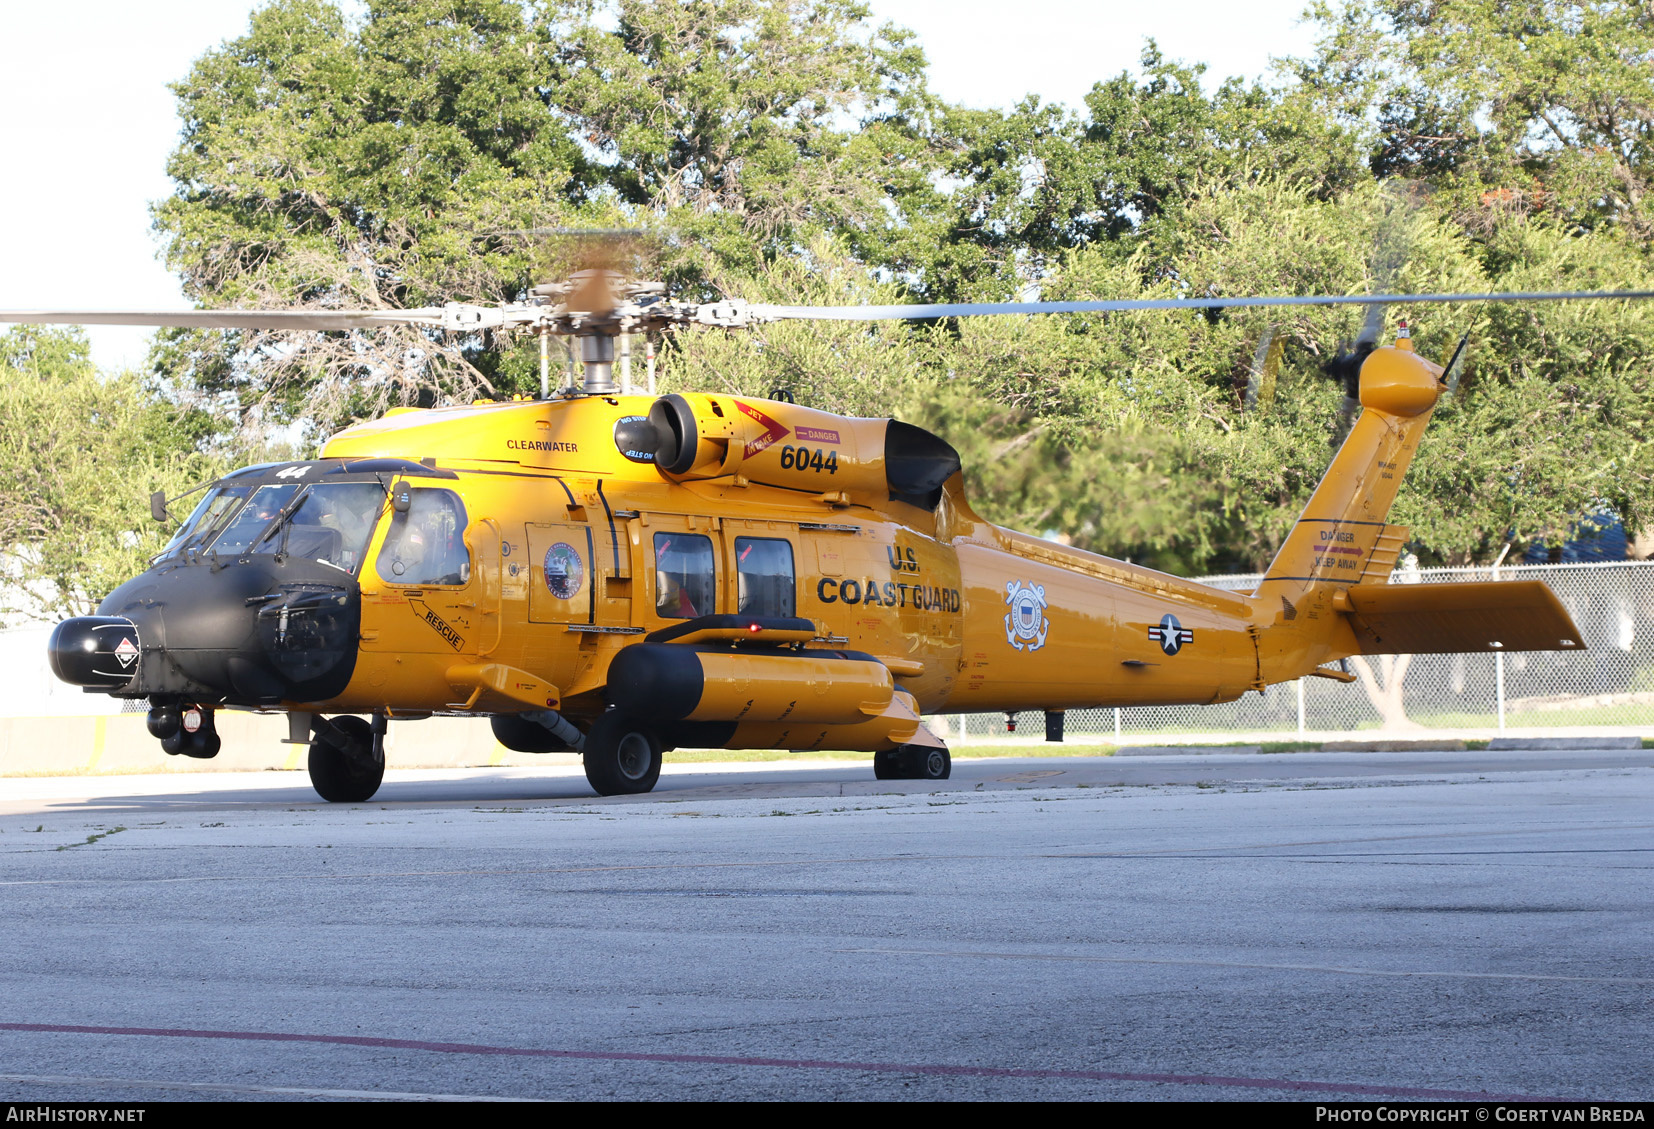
pixel 330 524
pixel 255 517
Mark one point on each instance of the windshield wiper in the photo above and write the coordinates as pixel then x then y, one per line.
pixel 280 519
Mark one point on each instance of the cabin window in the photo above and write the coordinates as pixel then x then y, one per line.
pixel 764 574
pixel 684 578
pixel 426 545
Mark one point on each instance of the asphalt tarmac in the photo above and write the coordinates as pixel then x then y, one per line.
pixel 1384 926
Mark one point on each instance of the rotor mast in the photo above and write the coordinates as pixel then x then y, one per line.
pixel 598 306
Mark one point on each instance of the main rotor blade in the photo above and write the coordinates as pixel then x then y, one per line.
pixel 919 312
pixel 731 314
pixel 457 317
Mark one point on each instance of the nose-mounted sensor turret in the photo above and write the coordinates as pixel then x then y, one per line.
pixel 100 651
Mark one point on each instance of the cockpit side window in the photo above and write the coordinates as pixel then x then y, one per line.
pixel 764 576
pixel 204 520
pixel 685 580
pixel 426 545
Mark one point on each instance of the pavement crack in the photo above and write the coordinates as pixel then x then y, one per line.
pixel 93 838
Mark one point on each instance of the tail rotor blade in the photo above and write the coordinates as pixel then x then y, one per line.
pixel 1371 326
pixel 1266 365
pixel 1454 369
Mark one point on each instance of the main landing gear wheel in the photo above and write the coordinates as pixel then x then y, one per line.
pixel 912 762
pixel 622 757
pixel 350 775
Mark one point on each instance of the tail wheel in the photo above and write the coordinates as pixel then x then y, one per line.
pixel 622 757
pixel 346 776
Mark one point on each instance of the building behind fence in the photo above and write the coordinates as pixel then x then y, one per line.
pixel 1610 683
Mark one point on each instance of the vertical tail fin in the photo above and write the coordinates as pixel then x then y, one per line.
pixel 1343 538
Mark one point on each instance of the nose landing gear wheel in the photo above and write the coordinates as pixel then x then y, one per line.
pixel 912 762
pixel 346 776
pixel 622 757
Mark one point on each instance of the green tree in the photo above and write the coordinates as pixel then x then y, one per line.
pixel 373 165
pixel 854 368
pixel 1131 434
pixel 746 124
pixel 1521 106
pixel 383 162
pixel 1556 412
pixel 1025 186
pixel 80 455
pixel 791 152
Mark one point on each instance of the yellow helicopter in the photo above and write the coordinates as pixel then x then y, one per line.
pixel 620 575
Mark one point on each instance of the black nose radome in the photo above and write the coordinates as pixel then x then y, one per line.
pixel 95 650
pixel 254 632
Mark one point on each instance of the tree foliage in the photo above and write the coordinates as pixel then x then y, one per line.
pixel 394 160
pixel 79 456
pixel 1526 106
pixel 790 151
pixel 1024 186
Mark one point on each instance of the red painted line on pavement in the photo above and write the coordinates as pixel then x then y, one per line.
pixel 792 1063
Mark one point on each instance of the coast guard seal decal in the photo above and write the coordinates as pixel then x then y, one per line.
pixel 564 571
pixel 1025 624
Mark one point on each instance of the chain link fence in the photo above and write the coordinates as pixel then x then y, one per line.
pixel 1610 683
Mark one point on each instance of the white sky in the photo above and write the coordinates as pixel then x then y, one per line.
pixel 88 121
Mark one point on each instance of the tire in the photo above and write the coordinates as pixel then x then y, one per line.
pixel 622 757
pixel 346 778
pixel 930 764
pixel 912 762
pixel 523 736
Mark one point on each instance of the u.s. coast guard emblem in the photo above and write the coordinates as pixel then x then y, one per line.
pixel 1171 635
pixel 1025 624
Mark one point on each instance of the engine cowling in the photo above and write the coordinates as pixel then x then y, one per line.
pixel 703 435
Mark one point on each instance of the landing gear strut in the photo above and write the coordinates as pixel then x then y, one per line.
pixel 347 758
pixel 912 762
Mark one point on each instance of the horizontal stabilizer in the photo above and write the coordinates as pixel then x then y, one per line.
pixel 1437 619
